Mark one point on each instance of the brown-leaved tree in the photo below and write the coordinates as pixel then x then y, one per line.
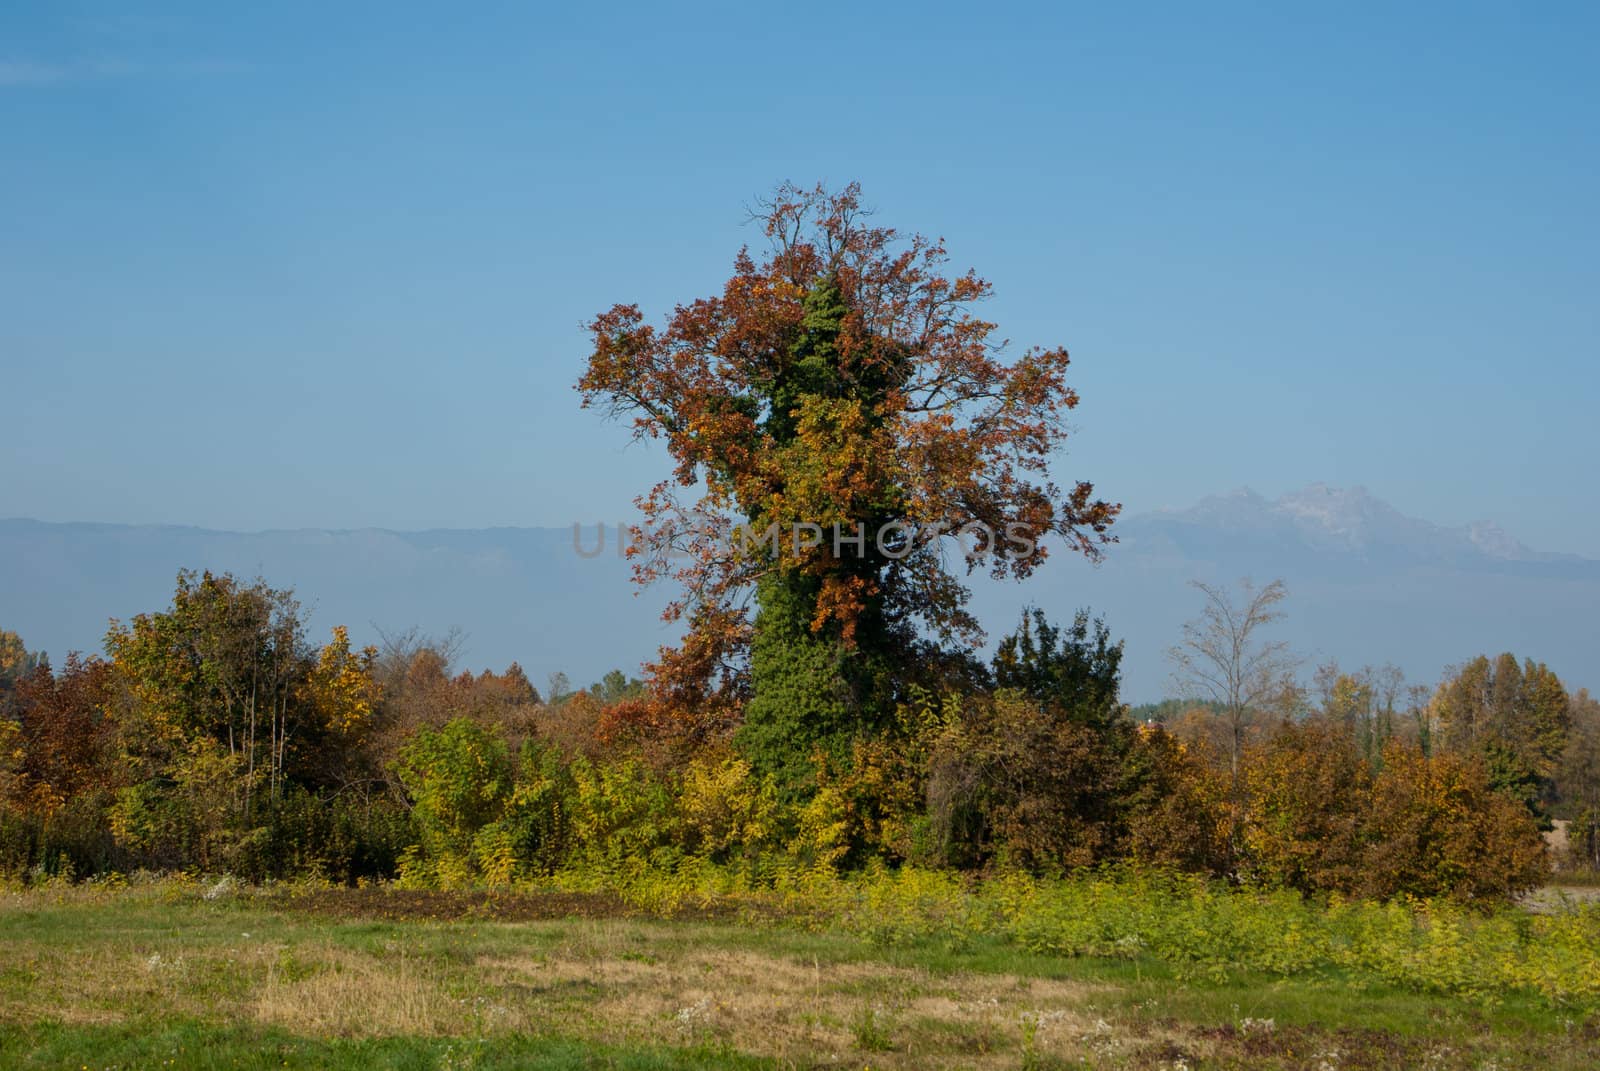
pixel 843 383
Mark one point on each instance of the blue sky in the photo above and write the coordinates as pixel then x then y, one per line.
pixel 326 265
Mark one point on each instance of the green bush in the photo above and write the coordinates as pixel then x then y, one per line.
pixel 533 836
pixel 622 815
pixel 459 778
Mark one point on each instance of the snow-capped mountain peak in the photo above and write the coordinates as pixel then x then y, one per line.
pixel 1348 520
pixel 1497 542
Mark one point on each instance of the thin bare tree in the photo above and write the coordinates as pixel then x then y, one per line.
pixel 1224 659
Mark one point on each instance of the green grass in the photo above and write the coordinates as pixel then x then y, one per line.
pixel 199 1045
pixel 156 976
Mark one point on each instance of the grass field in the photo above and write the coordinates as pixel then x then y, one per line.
pixel 159 976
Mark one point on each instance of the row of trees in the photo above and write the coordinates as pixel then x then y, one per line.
pixel 1516 718
pixel 213 735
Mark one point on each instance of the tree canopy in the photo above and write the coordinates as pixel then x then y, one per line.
pixel 842 385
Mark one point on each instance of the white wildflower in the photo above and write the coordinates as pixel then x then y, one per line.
pixel 223 886
pixel 694 1016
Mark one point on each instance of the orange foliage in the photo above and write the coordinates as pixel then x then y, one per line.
pixel 919 421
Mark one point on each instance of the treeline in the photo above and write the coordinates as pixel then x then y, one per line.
pixel 216 735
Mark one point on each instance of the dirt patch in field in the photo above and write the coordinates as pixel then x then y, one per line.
pixel 383 902
pixel 389 903
pixel 1555 898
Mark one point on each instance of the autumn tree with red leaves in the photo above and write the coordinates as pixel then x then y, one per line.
pixel 843 382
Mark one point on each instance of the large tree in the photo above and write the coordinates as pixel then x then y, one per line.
pixel 1516 716
pixel 224 666
pixel 842 382
pixel 223 707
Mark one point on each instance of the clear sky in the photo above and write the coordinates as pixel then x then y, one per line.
pixel 325 265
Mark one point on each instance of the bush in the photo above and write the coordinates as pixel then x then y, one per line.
pixel 1018 783
pixel 343 838
pixel 728 812
pixel 1438 828
pixel 534 834
pixel 1180 800
pixel 622 815
pixel 1308 795
pixel 459 779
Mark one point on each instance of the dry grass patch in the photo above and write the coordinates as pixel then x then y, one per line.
pixel 101 984
pixel 345 994
pixel 794 1010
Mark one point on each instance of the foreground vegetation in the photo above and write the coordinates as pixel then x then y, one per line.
pixel 903 971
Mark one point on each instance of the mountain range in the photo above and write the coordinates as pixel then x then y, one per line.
pixel 1367 584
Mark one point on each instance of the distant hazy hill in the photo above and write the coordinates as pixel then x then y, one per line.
pixel 517 593
pixel 1367 584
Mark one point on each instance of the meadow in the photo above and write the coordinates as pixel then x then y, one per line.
pixel 901 969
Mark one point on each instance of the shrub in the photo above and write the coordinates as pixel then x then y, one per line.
pixel 534 834
pixel 728 812
pixel 344 837
pixel 622 815
pixel 1180 805
pixel 1026 785
pixel 1308 793
pixel 1438 828
pixel 459 778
